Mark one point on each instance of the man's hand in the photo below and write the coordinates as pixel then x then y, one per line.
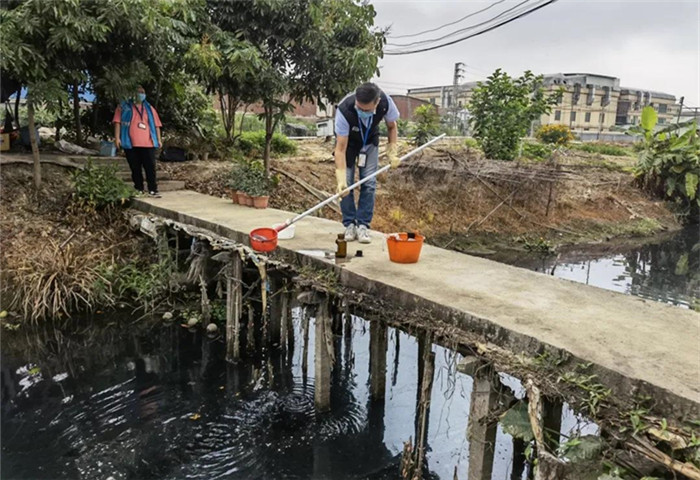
pixel 392 155
pixel 341 178
pixel 118 143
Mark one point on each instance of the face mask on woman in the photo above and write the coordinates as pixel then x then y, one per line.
pixel 141 96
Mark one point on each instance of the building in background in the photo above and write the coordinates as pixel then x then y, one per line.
pixel 589 102
pixel 407 105
pixel 633 100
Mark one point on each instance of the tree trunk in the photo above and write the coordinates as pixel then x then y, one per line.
pixel 224 115
pixel 76 115
pixel 269 130
pixel 35 145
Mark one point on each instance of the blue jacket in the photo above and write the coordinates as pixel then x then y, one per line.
pixel 127 113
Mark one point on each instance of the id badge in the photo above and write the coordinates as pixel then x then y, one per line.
pixel 141 125
pixel 361 159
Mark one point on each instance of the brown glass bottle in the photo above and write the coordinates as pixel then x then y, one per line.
pixel 342 251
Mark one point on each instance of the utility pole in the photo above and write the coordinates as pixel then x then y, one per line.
pixel 458 74
pixel 680 111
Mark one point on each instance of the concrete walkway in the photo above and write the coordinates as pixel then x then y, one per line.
pixel 639 339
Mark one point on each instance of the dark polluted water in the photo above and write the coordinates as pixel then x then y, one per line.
pixel 162 403
pixel 665 269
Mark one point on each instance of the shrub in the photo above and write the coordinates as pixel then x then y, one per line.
pixel 249 177
pixel 99 187
pixel 669 165
pixel 471 143
pixel 556 134
pixel 538 151
pixel 253 143
pixel 502 109
pixel 602 148
pixel 427 124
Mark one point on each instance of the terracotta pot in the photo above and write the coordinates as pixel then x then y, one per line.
pixel 241 196
pixel 234 196
pixel 248 200
pixel 260 202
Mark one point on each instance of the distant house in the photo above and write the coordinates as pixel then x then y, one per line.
pixel 307 109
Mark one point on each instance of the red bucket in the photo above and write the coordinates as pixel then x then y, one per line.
pixel 405 247
pixel 263 239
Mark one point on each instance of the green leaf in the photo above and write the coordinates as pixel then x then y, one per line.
pixel 583 448
pixel 691 185
pixel 516 422
pixel 649 118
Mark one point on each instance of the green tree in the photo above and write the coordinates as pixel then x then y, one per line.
pixel 309 50
pixel 427 124
pixel 57 46
pixel 503 108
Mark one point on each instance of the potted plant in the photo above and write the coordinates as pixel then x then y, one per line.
pixel 258 185
pixel 237 183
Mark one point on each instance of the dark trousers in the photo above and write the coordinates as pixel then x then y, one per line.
pixel 142 158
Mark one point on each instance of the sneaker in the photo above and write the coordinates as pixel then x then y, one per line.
pixel 154 194
pixel 363 235
pixel 350 233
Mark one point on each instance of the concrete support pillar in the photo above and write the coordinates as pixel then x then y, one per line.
pixel 377 359
pixel 234 307
pixel 322 358
pixel 551 422
pixel 277 307
pixel 251 329
pixel 482 435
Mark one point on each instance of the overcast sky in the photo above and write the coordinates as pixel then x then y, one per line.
pixel 652 45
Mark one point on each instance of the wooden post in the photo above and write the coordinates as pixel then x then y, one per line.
pixel 425 388
pixel 233 308
pixel 482 435
pixel 305 348
pixel 377 359
pixel 35 144
pixel 322 358
pixel 285 318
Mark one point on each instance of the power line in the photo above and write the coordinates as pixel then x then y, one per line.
pixel 481 32
pixel 461 30
pixel 448 24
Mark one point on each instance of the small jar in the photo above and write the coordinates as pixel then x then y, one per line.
pixel 342 251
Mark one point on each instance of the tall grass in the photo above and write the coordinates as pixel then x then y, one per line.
pixel 57 281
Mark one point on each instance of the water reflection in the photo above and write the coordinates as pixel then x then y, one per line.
pixel 163 403
pixel 666 270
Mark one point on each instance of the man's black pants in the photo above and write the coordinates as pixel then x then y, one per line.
pixel 142 158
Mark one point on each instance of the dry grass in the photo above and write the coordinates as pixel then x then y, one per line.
pixel 57 281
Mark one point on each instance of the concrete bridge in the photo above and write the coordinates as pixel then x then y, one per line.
pixel 635 345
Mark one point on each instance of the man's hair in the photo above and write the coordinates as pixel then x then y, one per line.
pixel 367 93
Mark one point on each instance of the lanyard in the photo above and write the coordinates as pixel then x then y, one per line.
pixel 140 112
pixel 365 136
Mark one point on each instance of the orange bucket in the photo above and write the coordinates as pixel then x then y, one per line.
pixel 404 247
pixel 263 239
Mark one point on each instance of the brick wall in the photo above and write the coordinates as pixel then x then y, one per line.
pixel 407 105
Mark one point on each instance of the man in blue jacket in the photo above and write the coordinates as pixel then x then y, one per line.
pixel 357 122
